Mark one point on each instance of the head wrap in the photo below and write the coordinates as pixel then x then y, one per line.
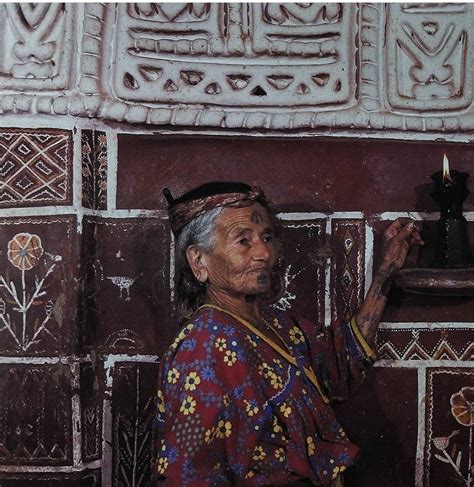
pixel 207 197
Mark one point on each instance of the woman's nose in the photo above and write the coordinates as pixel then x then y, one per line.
pixel 262 250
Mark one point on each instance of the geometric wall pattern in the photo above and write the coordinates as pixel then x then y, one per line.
pixel 403 67
pixel 89 96
pixel 35 168
pixel 79 357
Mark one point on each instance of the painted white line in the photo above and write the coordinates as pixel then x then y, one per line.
pixel 76 416
pixel 107 441
pixel 77 168
pixel 38 211
pixel 327 281
pixel 416 364
pixel 111 360
pixel 62 469
pixel 414 215
pixel 420 444
pixel 369 255
pixel 30 360
pixel 45 360
pixel 112 167
pixel 71 210
pixel 172 265
pixel 127 213
pixel 426 325
pixel 315 215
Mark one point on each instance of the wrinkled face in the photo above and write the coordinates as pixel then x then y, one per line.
pixel 244 252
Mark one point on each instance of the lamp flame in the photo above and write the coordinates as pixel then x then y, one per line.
pixel 446 174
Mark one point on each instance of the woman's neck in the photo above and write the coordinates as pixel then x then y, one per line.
pixel 247 307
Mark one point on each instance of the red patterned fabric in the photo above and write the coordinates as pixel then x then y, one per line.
pixel 182 213
pixel 232 411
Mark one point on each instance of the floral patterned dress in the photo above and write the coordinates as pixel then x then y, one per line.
pixel 236 408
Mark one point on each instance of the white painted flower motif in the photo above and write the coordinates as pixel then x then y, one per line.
pixel 462 406
pixel 25 250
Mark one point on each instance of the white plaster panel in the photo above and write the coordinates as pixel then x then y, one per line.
pixel 429 56
pixel 36 46
pixel 403 69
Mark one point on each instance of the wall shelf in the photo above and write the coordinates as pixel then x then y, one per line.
pixel 437 282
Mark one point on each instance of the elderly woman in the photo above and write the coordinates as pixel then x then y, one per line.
pixel 245 390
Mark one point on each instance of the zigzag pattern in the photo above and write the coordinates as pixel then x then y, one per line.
pixel 416 351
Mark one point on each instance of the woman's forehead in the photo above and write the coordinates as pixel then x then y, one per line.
pixel 254 214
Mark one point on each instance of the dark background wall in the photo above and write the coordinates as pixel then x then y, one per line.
pixel 79 360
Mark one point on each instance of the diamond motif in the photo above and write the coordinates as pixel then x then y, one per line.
pixel 42 137
pixel 347 267
pixel 348 242
pixel 34 166
pixel 41 166
pixel 24 183
pixel 24 149
pixel 6 167
pixel 347 278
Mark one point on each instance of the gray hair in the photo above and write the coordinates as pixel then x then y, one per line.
pixel 199 232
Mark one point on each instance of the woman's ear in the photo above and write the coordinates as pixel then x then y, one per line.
pixel 197 262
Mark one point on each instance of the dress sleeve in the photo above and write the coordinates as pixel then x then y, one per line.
pixel 339 355
pixel 201 437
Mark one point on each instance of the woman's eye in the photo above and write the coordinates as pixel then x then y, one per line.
pixel 268 238
pixel 243 241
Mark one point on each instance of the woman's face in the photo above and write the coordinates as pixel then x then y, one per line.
pixel 244 252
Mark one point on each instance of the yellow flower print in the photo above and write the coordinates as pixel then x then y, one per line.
pixel 251 341
pixel 278 363
pixel 182 335
pixel 223 429
pixel 280 454
pixel 220 344
pixel 226 399
pixel 276 427
pixel 276 381
pixel 192 380
pixel 230 358
pixel 209 436
pixel 185 332
pixel 249 474
pixel 258 453
pixel 337 471
pixel 296 335
pixel 161 402
pixel 188 405
pixel 173 376
pixel 285 410
pixel 250 409
pixel 265 370
pixel 162 465
pixel 311 446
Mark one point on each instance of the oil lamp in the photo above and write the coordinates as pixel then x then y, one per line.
pixel 450 192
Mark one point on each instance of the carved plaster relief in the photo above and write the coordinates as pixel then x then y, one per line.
pixel 206 53
pixel 36 45
pixel 278 66
pixel 429 63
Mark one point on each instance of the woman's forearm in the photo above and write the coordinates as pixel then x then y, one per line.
pixel 372 308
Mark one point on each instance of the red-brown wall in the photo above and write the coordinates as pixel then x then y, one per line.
pixel 81 394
